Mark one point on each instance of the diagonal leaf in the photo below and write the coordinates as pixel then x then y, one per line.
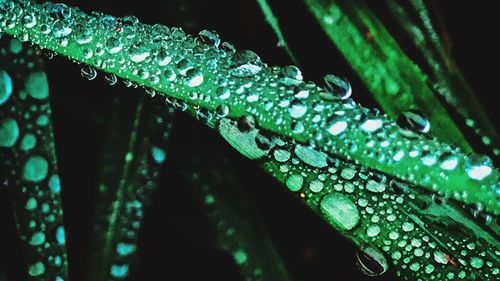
pixel 28 156
pixel 237 84
pixel 129 176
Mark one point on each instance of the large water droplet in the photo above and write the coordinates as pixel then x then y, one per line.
pixel 209 37
pixel 119 271
pixel 36 269
pixel 371 261
pixel 35 169
pixel 245 64
pixel 478 167
pixel 37 85
pixel 194 77
pixel 310 156
pixel 297 109
pixel 5 86
pixel 294 182
pixel 9 132
pixel 339 210
pixel 138 52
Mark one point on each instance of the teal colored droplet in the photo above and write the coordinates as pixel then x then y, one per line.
pixel 158 154
pixel 294 182
pixel 38 238
pixel 55 184
pixel 37 85
pixel 119 271
pixel 5 86
pixel 59 279
pixel 124 249
pixel 28 142
pixel 60 235
pixel 36 269
pixel 42 120
pixel 9 132
pixel 35 169
pixel 15 46
pixel 31 204
pixel 240 257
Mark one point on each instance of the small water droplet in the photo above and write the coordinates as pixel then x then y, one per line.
pixel 413 122
pixel 88 72
pixel 337 87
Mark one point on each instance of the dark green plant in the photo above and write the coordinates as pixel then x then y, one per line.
pixel 397 193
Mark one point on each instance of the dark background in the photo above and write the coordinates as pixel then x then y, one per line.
pixel 175 240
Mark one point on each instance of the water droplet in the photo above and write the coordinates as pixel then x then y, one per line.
pixel 413 122
pixel 222 111
pixel 281 155
pixel 61 28
pixel 375 186
pixel 38 238
pixel 209 37
pixel 88 72
pixel 27 143
pixel 9 132
pixel 138 52
pixel 35 169
pixel 348 173
pixel 125 249
pixel 440 257
pixel 310 156
pixel 114 45
pixel 110 79
pixel 339 210
pixel 337 127
pixel 223 93
pixel 372 125
pixel 245 64
pixel 408 226
pixel 194 77
pixel 37 85
pixel 294 182
pixel 119 271
pixel 337 88
pixel 83 34
pixel 55 184
pixel 36 269
pixel 476 262
pixel 478 167
pixel 371 261
pixel 448 161
pixel 5 86
pixel 290 76
pixel 316 186
pixel 158 154
pixel 373 230
pixel 60 235
pixel 297 109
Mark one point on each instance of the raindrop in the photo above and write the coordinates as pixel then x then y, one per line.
pixel 35 169
pixel 413 122
pixel 209 37
pixel 194 77
pixel 372 125
pixel 297 109
pixel 245 64
pixel 337 87
pixel 110 78
pixel 294 182
pixel 138 52
pixel 88 72
pixel 478 167
pixel 36 269
pixel 371 261
pixel 9 132
pixel 337 127
pixel 339 210
pixel 448 161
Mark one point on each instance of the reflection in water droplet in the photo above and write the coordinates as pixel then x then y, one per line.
pixel 88 72
pixel 478 167
pixel 339 210
pixel 371 261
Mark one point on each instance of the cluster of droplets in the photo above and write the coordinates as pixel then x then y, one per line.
pixel 391 218
pixel 27 153
pixel 217 80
